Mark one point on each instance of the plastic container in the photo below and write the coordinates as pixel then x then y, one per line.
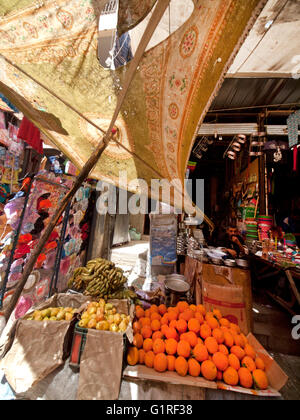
pixel 78 343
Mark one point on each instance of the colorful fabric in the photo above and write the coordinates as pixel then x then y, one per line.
pixel 170 94
pixel 4 192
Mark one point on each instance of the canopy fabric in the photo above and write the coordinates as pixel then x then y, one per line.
pixel 55 44
pixel 132 13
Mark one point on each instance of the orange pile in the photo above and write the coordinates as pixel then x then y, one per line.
pixel 189 340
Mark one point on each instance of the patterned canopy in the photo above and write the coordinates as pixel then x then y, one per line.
pixel 55 43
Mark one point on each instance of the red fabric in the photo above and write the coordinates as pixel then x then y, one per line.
pixel 295 158
pixel 31 134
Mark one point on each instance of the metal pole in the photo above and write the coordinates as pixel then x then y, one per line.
pixel 59 251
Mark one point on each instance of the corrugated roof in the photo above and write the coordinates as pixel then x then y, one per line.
pixel 255 92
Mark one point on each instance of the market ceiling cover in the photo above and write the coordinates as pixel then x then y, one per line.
pixel 55 43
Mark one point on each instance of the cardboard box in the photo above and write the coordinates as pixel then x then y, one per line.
pixel 277 378
pixel 102 357
pixel 35 349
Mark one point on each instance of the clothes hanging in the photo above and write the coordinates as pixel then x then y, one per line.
pixel 31 134
pixel 293 122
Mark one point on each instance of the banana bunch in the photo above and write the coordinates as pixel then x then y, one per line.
pixel 123 294
pixel 100 278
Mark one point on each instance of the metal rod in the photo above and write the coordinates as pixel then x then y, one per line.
pixel 59 251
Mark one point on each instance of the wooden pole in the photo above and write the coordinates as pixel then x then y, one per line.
pixel 154 21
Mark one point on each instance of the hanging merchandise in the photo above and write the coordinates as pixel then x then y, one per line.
pixel 28 214
pixel 31 134
pixel 276 152
pixel 293 123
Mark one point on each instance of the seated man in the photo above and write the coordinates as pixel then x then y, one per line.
pixel 232 242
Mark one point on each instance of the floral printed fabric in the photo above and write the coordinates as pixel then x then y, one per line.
pixel 56 43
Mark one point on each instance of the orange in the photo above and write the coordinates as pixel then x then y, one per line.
pixel 173 324
pixel 184 349
pixel 155 325
pixel 132 356
pixel 170 333
pixel 145 321
pixel 199 340
pixel 194 368
pixel 146 331
pixel 208 315
pixel 200 353
pixel 260 363
pixel 187 315
pixel 162 309
pixel 230 376
pixel 165 320
pixel 245 378
pixel 211 344
pixel 224 322
pixel 260 379
pixel 160 363
pixel 233 332
pixel 239 341
pixel 249 351
pixel 181 326
pixel 235 327
pixel 171 346
pixel 171 362
pixel 173 308
pixel 172 315
pixel 245 340
pixel 234 362
pixel 164 328
pixel 156 335
pixel 148 344
pixel 147 313
pixel 201 309
pixel 139 312
pixel 159 346
pixel 223 349
pixel 190 337
pixel 217 314
pixel 218 334
pixel 228 339
pixel 142 355
pixel 212 322
pixel 155 315
pixel 248 363
pixel 182 306
pixel 136 326
pixel 138 340
pixel 194 325
pixel 149 359
pixel 199 316
pixel 205 331
pixel 209 370
pixel 153 308
pixel 238 351
pixel 181 366
pixel 221 361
